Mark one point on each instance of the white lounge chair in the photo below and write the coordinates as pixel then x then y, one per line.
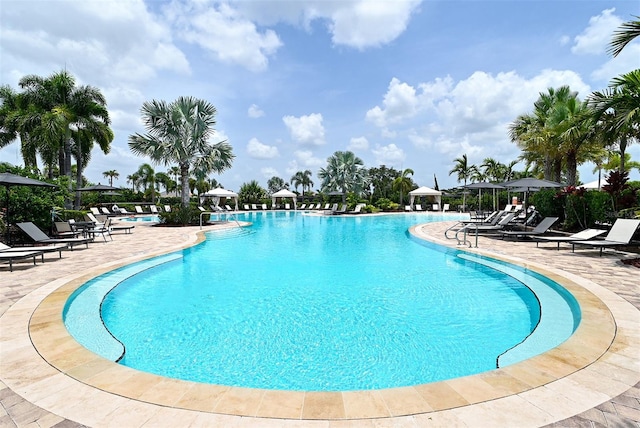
pixel 621 233
pixel 264 207
pixel 154 209
pixel 287 206
pixel 445 208
pixel 20 255
pixel 95 210
pixel 580 236
pixel 418 207
pixel 45 248
pixel 167 208
pixel 407 207
pixel 138 209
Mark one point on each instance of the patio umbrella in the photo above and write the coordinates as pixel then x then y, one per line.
pixel 98 188
pixel 484 185
pixel 8 180
pixel 530 184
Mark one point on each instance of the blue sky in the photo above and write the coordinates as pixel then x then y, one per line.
pixel 406 83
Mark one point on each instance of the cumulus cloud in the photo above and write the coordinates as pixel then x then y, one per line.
pixel 257 150
pixel 306 130
pixel 389 155
pixel 358 24
pixel 269 172
pixel 255 111
pixel 595 38
pixel 222 31
pixel 358 144
pixel 399 103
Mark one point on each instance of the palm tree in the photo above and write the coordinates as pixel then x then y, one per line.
pixel 162 178
pixel 111 174
pixel 251 192
pixel 345 172
pixel 178 132
pixel 302 178
pixel 616 111
pixel 464 172
pixel 275 184
pixel 148 180
pixel 493 170
pixel 403 183
pixel 134 179
pixel 175 173
pixel 625 34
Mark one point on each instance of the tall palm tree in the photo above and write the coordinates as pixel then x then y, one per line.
pixel 175 173
pixel 464 172
pixel 616 111
pixel 492 169
pixel 251 192
pixel 344 172
pixel 148 180
pixel 302 178
pixel 178 132
pixel 403 183
pixel 134 179
pixel 111 174
pixel 625 34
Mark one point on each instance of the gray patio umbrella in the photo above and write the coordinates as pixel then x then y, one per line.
pixel 484 185
pixel 8 180
pixel 530 184
pixel 98 188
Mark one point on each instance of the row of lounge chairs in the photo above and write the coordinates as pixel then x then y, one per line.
pixel 68 235
pixel 434 207
pixel 502 224
pixel 116 211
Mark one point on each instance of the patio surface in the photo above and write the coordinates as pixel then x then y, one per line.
pixel 46 379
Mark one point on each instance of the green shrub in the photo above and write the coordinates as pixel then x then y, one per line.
pixel 180 216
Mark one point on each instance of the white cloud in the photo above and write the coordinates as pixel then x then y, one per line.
pixel 399 103
pixel 255 111
pixel 390 155
pixel 356 23
pixel 626 61
pixel 364 23
pixel 226 34
pixel 269 172
pixel 257 150
pixel 306 130
pixel 358 144
pixel 595 38
pixel 307 159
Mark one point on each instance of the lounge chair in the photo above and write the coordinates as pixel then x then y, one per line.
pixel 326 206
pixel 246 207
pixel 356 210
pixel 264 207
pixel 201 209
pixel 342 210
pixel 436 207
pixel 302 207
pixel 499 226
pixel 418 207
pixel 95 210
pixel 445 208
pixel 254 207
pixel 580 236
pixel 287 206
pixel 105 211
pixel 407 207
pixel 20 255
pixel 540 229
pixel 38 236
pixel 621 233
pixel 167 209
pixel 45 248
pixel 153 209
pixel 63 229
pixel 228 208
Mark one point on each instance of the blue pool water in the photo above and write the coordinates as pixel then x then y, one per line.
pixel 141 218
pixel 299 302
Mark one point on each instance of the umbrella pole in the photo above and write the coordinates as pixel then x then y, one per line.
pixel 6 217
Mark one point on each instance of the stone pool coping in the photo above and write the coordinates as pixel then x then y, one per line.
pixel 598 362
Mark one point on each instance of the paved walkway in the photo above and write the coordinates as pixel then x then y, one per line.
pixel 607 271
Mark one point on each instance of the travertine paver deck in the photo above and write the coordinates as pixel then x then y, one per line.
pixel 63 401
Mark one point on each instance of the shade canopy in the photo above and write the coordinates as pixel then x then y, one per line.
pixel 486 186
pixel 218 193
pixel 97 188
pixel 8 180
pixel 426 191
pixel 593 185
pixel 284 193
pixel 531 183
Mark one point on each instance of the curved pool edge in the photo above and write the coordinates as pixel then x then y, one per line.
pixel 583 356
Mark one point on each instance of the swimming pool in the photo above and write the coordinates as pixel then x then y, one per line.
pixel 152 218
pixel 321 303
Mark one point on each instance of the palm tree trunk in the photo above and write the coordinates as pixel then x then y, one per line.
pixel 184 177
pixel 623 149
pixel 78 175
pixel 572 167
